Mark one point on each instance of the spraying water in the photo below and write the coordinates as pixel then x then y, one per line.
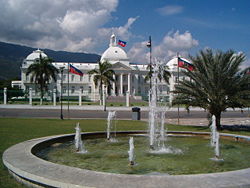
pixel 111 125
pixel 153 110
pixel 78 140
pixel 215 137
pixel 213 132
pixel 131 156
pixel 157 130
pixel 162 131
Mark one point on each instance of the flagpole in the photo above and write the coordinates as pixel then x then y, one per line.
pixel 150 61
pixel 68 90
pixel 178 77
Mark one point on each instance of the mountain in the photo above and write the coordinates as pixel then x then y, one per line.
pixel 12 56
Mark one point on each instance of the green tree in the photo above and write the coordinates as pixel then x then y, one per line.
pixel 11 92
pixel 163 73
pixel 103 76
pixel 216 83
pixel 42 71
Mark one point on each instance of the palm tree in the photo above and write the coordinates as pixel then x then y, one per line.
pixel 103 76
pixel 42 70
pixel 163 73
pixel 215 84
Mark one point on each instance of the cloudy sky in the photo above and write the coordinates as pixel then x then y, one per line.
pixel 184 26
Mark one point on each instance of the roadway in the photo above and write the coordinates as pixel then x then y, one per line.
pixel 36 112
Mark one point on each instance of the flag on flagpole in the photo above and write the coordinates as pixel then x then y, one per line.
pixel 122 43
pixel 75 70
pixel 184 64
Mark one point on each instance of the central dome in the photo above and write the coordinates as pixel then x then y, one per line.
pixel 114 53
pixel 35 55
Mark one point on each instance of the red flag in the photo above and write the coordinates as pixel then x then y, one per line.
pixel 122 43
pixel 75 70
pixel 184 64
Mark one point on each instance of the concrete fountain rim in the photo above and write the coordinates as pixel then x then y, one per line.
pixel 31 170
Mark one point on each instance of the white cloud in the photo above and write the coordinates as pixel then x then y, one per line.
pixel 73 25
pixel 170 45
pixel 139 53
pixel 245 64
pixel 170 10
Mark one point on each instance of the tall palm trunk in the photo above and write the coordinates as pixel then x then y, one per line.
pixel 42 93
pixel 101 92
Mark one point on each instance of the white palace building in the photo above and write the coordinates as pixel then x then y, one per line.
pixel 129 77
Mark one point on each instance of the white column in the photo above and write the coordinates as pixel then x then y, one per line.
pixel 30 96
pixel 127 99
pixel 136 83
pixel 5 95
pixel 129 83
pixel 80 97
pixel 121 84
pixel 54 97
pixel 113 85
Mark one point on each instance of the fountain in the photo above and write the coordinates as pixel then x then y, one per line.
pixel 78 140
pixel 111 157
pixel 157 130
pixel 213 132
pixel 131 155
pixel 111 125
pixel 107 161
pixel 215 137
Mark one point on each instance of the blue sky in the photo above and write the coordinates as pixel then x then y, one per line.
pixel 184 26
pixel 215 24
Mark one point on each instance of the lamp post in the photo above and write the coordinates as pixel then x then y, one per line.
pixel 61 70
pixel 104 98
pixel 149 45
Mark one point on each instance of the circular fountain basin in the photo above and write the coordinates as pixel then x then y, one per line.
pixel 30 169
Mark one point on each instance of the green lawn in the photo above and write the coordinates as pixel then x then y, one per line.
pixel 13 131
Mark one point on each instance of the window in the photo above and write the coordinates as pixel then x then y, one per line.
pixel 64 77
pixel 139 90
pixel 90 89
pixel 72 77
pixel 64 89
pixel 73 89
pixel 81 78
pixel 124 78
pixel 81 89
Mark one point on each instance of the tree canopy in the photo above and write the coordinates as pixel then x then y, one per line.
pixel 42 71
pixel 163 73
pixel 215 84
pixel 103 75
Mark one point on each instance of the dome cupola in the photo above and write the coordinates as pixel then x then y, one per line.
pixel 35 55
pixel 32 57
pixel 114 53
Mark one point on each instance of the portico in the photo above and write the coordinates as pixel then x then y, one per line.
pixel 122 77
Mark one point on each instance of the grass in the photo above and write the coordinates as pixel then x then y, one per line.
pixel 13 131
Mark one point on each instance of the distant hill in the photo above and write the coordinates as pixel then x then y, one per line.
pixel 12 56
